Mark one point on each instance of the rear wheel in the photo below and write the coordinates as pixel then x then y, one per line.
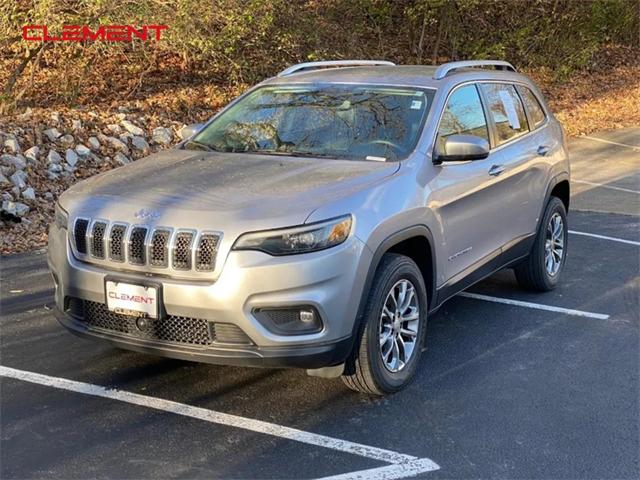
pixel 541 270
pixel 390 337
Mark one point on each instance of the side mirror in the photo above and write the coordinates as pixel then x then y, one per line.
pixel 461 148
pixel 190 130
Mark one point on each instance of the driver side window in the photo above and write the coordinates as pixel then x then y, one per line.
pixel 463 115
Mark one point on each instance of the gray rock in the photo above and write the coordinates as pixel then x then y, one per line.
pixel 125 137
pixel 71 157
pixel 4 180
pixel 16 161
pixel 69 168
pixel 19 179
pixel 52 134
pixel 114 128
pixel 52 176
pixel 12 145
pixel 55 116
pixel 29 194
pixel 7 196
pixel 118 144
pixel 32 153
pixel 54 168
pixel 131 128
pixel 67 140
pixel 121 116
pixel 76 125
pixel 53 157
pixel 162 135
pixel 21 209
pixel 140 143
pixel 82 150
pixel 15 191
pixel 94 144
pixel 9 207
pixel 48 195
pixel 122 159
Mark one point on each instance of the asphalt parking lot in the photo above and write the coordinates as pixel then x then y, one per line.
pixel 512 385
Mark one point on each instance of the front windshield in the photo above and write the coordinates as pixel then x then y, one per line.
pixel 335 121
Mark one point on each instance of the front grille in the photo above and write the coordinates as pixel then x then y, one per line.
pixel 159 255
pixel 136 246
pixel 97 239
pixel 182 251
pixel 174 329
pixel 116 243
pixel 80 233
pixel 206 252
pixel 192 331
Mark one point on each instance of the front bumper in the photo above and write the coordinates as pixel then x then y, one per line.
pixel 331 281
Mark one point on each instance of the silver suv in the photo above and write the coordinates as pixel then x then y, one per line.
pixel 319 219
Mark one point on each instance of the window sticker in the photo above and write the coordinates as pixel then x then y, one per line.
pixel 375 159
pixel 416 105
pixel 510 109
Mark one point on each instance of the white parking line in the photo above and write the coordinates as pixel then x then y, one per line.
pixel 601 185
pixel 389 472
pixel 538 306
pixel 604 237
pixel 405 465
pixel 632 147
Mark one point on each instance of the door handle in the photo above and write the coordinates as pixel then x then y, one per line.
pixel 543 150
pixel 496 170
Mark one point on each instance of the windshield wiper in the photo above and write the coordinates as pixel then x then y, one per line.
pixel 294 153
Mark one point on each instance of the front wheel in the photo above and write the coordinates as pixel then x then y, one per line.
pixel 390 338
pixel 541 270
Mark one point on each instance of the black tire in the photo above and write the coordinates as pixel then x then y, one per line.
pixel 365 370
pixel 532 273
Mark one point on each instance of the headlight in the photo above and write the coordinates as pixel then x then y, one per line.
pixel 60 217
pixel 302 239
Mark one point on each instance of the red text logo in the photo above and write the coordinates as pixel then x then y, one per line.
pixel 83 33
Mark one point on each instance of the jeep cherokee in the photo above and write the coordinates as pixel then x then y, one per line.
pixel 319 219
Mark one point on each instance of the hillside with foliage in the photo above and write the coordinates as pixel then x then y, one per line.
pixel 107 101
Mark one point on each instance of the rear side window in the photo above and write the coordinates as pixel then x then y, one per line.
pixel 533 106
pixel 463 115
pixel 506 109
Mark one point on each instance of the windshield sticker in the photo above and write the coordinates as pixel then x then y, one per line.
pixel 376 159
pixel 416 105
pixel 510 109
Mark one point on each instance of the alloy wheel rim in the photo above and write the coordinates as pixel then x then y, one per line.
pixel 554 245
pixel 399 322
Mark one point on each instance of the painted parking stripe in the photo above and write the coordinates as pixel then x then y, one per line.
pixel 596 139
pixel 602 185
pixel 538 306
pixel 604 237
pixel 374 453
pixel 389 472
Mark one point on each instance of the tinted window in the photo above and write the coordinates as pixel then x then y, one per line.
pixel 506 110
pixel 337 121
pixel 463 115
pixel 533 106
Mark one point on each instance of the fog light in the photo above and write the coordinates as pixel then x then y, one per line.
pixel 307 316
pixel 300 320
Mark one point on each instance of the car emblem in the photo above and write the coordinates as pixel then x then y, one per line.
pixel 145 214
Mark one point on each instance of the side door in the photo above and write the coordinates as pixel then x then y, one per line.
pixel 465 195
pixel 521 168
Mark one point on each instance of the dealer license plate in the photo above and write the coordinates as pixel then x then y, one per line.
pixel 133 300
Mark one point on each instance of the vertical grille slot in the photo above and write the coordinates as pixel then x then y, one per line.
pixel 182 251
pixel 159 251
pixel 97 239
pixel 206 252
pixel 80 234
pixel 116 243
pixel 136 246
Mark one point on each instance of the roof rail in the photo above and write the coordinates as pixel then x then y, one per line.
pixel 443 70
pixel 332 64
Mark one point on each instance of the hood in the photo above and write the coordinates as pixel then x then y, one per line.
pixel 194 189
